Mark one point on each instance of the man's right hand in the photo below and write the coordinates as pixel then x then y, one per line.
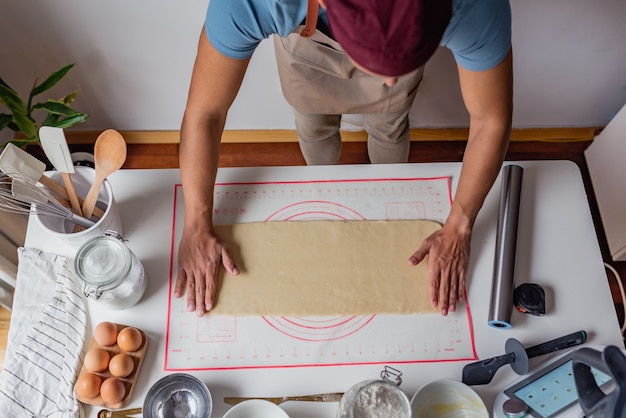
pixel 200 254
pixel 215 82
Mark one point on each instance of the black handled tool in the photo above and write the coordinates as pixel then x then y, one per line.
pixel 481 372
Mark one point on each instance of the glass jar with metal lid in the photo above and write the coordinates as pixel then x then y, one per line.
pixel 376 398
pixel 110 272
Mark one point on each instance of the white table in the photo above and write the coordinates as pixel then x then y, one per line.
pixel 557 247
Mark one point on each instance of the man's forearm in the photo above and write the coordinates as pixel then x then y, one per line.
pixel 488 96
pixel 199 160
pixel 484 154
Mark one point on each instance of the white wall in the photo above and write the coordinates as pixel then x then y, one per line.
pixel 605 160
pixel 134 59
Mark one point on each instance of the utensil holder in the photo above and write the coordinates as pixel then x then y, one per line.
pixel 62 229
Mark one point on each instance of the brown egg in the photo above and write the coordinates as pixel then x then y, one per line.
pixel 105 334
pixel 129 339
pixel 121 365
pixel 88 385
pixel 97 359
pixel 112 391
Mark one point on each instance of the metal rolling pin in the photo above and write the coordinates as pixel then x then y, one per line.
pixel 503 282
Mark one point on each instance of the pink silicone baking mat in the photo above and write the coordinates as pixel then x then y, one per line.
pixel 225 342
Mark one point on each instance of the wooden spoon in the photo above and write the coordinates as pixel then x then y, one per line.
pixel 109 155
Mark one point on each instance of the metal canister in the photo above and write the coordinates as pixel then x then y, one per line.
pixel 515 408
pixel 110 272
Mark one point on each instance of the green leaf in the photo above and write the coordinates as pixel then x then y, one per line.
pixel 12 100
pixel 56 112
pixel 56 107
pixel 51 81
pixel 70 97
pixel 50 119
pixel 25 124
pixel 3 83
pixel 22 142
pixel 70 120
pixel 5 120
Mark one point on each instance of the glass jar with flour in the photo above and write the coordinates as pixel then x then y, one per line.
pixel 110 272
pixel 374 399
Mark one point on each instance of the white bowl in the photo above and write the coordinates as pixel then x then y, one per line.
pixel 447 399
pixel 255 408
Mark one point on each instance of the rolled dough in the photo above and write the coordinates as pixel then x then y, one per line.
pixel 324 268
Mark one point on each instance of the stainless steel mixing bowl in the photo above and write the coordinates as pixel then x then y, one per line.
pixel 178 395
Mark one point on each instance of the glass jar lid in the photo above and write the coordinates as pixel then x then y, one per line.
pixel 103 262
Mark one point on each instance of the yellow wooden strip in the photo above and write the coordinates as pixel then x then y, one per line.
pixel 286 135
pixel 5 320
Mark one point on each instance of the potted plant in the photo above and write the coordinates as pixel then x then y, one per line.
pixel 21 119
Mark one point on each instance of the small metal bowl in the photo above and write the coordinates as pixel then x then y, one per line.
pixel 178 395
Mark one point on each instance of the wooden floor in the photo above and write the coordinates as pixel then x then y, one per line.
pixel 282 154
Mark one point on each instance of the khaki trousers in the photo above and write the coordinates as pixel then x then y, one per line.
pixel 320 83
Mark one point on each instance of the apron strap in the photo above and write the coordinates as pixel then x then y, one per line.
pixel 311 19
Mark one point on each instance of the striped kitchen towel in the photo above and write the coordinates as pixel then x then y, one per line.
pixel 46 338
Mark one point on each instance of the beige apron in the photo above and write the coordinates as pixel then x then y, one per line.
pixel 316 76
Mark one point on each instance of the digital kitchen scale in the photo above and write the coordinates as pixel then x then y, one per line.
pixel 550 392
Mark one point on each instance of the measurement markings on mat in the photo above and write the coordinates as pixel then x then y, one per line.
pixel 219 342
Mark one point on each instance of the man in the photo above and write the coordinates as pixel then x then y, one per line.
pixel 364 57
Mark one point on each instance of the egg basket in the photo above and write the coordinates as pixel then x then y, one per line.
pixel 129 381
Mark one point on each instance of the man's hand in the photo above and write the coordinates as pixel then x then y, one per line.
pixel 200 255
pixel 488 96
pixel 449 254
pixel 215 82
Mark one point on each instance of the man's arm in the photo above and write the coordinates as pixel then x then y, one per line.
pixel 488 97
pixel 215 81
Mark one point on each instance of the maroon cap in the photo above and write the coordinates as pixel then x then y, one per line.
pixel 389 37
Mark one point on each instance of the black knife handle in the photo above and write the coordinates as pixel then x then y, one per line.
pixel 570 340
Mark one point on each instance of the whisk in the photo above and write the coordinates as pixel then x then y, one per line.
pixel 19 195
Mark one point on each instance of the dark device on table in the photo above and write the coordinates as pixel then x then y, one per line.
pixel 551 391
pixel 594 402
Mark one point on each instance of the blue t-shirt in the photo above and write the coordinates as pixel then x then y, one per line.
pixel 479 33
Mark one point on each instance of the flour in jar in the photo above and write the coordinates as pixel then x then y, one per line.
pixel 110 272
pixel 380 401
pixel 101 261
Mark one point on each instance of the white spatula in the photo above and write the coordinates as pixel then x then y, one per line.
pixel 55 146
pixel 17 163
